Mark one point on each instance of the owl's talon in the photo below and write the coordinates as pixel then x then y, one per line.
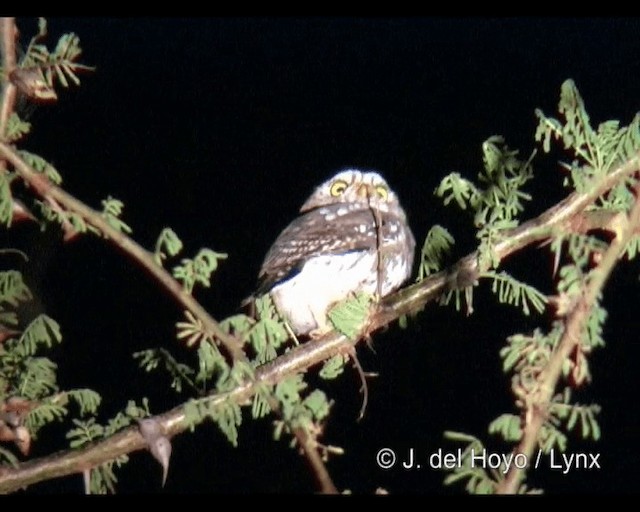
pixel 320 332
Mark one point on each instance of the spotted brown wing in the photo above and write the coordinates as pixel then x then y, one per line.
pixel 312 235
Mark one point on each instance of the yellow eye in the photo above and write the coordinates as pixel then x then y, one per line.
pixel 382 191
pixel 337 188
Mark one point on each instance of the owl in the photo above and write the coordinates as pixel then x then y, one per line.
pixel 351 236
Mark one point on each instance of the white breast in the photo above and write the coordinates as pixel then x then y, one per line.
pixel 325 280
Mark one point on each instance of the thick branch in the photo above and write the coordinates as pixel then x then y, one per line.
pixel 49 191
pixel 55 196
pixel 173 422
pixel 409 300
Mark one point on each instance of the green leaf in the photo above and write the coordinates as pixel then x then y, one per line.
pixel 349 316
pixel 515 292
pixel 192 330
pixel 16 128
pixel 198 269
pixel 210 362
pixel 60 63
pixel 40 165
pixel 454 187
pixel 260 406
pixel 333 367
pixel 6 457
pixel 87 399
pixel 228 417
pixel 287 392
pixel 46 412
pixel 86 431
pixel 6 199
pixel 239 325
pixel 180 373
pixel 316 402
pixel 595 428
pixel 111 211
pixel 167 245
pixel 508 426
pixel 437 245
pixel 595 327
pixel 269 333
pixel 452 435
pixel 42 330
pixel 13 290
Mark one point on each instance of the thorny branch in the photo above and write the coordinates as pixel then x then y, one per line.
pixel 57 197
pixel 568 215
pixel 49 191
pixel 409 300
pixel 575 325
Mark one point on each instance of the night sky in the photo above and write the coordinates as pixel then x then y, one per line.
pixel 220 128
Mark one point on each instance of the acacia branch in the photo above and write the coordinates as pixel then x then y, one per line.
pixel 57 197
pixel 409 300
pixel 50 192
pixel 575 325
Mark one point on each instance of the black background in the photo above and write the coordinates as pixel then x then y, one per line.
pixel 220 128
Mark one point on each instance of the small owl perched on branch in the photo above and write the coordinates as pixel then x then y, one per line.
pixel 351 236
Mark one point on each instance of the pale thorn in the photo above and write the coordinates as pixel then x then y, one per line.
pixel 159 445
pixel 161 451
pixel 23 440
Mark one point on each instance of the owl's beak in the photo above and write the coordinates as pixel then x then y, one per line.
pixel 366 191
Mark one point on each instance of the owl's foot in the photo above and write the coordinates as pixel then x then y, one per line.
pixel 324 326
pixel 320 331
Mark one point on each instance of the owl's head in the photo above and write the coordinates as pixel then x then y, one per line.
pixel 353 186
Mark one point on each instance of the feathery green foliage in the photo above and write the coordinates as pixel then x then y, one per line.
pixel 167 245
pixel 496 201
pixel 268 334
pixel 503 177
pixel 28 380
pixel 6 199
pixel 103 478
pixel 198 270
pixel 296 410
pixel 514 292
pixel 181 374
pixel 228 416
pixel 16 128
pixel 437 245
pixel 478 480
pixel 458 295
pixel 13 289
pixel 350 316
pixel 58 65
pixel 42 166
pixel 333 367
pixel 596 153
pixel 111 211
